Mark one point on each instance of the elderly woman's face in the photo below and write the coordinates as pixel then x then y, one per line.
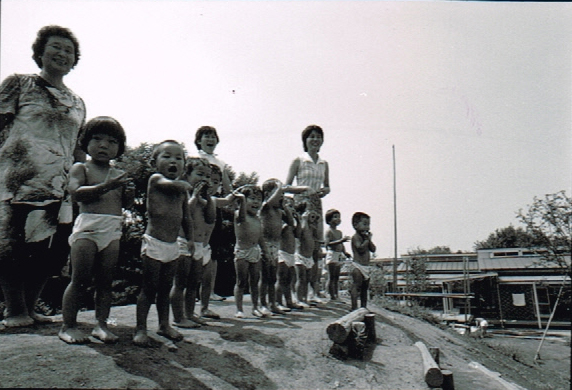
pixel 59 55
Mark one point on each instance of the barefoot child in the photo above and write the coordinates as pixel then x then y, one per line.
pixel 286 261
pixel 190 267
pixel 101 191
pixel 271 220
pixel 304 250
pixel 247 252
pixel 334 251
pixel 167 211
pixel 209 269
pixel 361 248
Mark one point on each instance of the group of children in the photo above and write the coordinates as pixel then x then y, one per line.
pixel 276 239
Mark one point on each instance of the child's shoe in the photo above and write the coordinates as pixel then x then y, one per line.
pixel 285 309
pixel 276 310
pixel 303 304
pixel 239 314
pixel 210 314
pixel 257 313
pixel 265 312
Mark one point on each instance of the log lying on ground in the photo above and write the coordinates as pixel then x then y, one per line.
pixel 431 371
pixel 339 330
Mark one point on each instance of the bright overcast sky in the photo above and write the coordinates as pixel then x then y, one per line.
pixel 475 96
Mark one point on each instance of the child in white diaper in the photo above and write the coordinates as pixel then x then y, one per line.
pixel 101 191
pixel 190 268
pixel 167 211
pixel 335 251
pixel 304 250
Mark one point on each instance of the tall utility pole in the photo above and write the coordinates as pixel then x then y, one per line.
pixel 394 225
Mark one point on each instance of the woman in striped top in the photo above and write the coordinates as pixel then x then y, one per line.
pixel 312 172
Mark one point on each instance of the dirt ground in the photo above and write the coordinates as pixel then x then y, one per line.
pixel 282 352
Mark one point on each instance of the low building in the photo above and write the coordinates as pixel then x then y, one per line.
pixel 505 286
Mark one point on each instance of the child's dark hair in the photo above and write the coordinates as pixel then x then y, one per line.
pixel 215 170
pixel 357 217
pixel 250 189
pixel 330 214
pixel 157 149
pixel 306 133
pixel 301 207
pixel 103 125
pixel 202 131
pixel 193 162
pixel 268 186
pixel 46 33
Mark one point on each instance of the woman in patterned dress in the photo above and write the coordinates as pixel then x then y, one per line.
pixel 40 120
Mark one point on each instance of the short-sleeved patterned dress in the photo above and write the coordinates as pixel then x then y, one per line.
pixel 37 152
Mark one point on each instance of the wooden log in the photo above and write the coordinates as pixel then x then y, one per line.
pixel 448 383
pixel 339 330
pixel 434 353
pixel 431 371
pixel 369 320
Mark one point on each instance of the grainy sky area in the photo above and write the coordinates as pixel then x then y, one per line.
pixel 475 96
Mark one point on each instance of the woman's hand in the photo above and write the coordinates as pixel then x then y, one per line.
pixel 323 191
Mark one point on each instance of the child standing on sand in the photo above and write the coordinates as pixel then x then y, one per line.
pixel 362 246
pixel 248 231
pixel 167 211
pixel 101 191
pixel 271 219
pixel 190 267
pixel 286 261
pixel 304 250
pixel 334 251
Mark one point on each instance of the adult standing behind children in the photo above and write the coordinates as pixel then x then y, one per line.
pixel 40 119
pixel 206 141
pixel 312 171
pixel 101 192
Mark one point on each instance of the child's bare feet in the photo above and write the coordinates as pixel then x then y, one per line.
pixel 73 336
pixel 18 321
pixel 170 333
pixel 187 324
pixel 141 339
pixel 40 318
pixel 104 334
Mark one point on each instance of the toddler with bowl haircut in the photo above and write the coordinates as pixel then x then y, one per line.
pixel 101 192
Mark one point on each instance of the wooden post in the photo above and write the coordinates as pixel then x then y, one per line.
pixel 431 372
pixel 434 354
pixel 339 330
pixel 448 383
pixel 369 320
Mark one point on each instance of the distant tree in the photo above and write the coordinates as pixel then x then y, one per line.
pixel 549 222
pixel 416 275
pixel 508 237
pixel 243 179
pixel 439 250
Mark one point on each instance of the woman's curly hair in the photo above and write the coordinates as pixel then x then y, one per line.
pixel 52 31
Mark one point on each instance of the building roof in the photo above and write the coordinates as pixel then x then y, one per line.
pixel 514 263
